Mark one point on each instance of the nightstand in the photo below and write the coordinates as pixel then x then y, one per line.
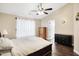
pixel 5 51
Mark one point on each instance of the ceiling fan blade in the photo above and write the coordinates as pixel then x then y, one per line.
pixel 48 9
pixel 45 13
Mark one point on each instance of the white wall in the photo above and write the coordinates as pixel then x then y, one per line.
pixel 64 14
pixel 8 23
pixel 76 29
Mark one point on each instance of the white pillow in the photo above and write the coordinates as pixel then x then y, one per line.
pixel 5 43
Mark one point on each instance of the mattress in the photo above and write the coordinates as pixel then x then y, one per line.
pixel 27 45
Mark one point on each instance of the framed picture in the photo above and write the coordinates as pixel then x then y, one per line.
pixel 77 17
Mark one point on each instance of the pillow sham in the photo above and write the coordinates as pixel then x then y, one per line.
pixel 5 43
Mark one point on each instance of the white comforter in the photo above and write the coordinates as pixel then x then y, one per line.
pixel 25 46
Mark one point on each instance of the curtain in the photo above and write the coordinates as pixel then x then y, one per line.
pixel 25 27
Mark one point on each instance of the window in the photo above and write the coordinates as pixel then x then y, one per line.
pixel 25 27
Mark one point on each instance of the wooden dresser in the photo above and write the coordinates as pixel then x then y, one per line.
pixel 43 32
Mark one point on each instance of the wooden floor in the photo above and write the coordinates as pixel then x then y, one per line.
pixel 61 50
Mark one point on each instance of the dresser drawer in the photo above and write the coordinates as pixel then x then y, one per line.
pixel 64 39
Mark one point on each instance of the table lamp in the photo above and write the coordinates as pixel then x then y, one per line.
pixel 4 33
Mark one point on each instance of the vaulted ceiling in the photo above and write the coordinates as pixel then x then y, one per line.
pixel 24 9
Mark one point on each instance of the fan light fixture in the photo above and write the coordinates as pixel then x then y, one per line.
pixel 40 10
pixel 40 13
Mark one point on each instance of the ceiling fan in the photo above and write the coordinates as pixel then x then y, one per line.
pixel 41 10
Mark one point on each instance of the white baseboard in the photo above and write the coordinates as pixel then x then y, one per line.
pixel 76 52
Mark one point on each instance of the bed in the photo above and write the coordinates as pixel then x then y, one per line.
pixel 31 46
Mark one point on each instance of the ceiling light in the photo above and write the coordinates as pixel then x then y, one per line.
pixel 40 13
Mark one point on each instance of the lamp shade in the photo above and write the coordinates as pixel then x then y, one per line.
pixel 5 32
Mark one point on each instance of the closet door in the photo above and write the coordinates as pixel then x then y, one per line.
pixel 43 32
